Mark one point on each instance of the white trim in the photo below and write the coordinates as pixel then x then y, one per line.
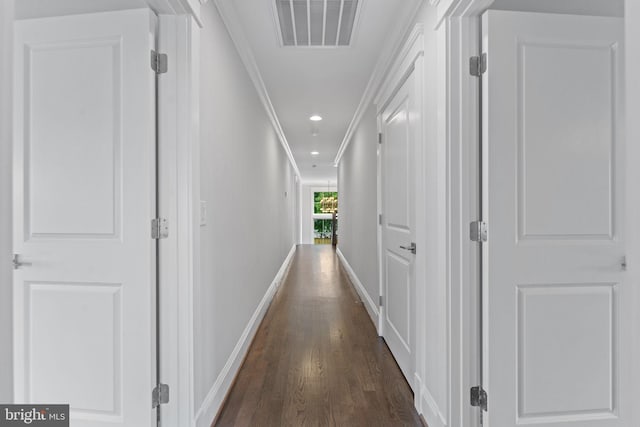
pixel 229 16
pixel 394 41
pixel 427 406
pixel 462 140
pixel 214 399
pixel 276 22
pixel 430 410
pixel 447 9
pixel 458 37
pixel 380 324
pixel 370 305
pixel 412 48
pixel 179 175
pixel 177 7
pixel 410 60
pixel 322 216
pixel 632 90
pixel 6 211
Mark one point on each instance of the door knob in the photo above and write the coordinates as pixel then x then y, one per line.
pixel 17 263
pixel 411 248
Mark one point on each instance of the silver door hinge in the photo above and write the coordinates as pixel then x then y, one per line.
pixel 379 138
pixel 380 219
pixel 159 228
pixel 380 301
pixel 479 397
pixel 159 62
pixel 478 65
pixel 478 231
pixel 160 395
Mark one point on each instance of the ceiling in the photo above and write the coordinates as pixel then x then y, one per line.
pixel 328 81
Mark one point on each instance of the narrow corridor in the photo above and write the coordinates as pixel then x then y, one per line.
pixel 316 359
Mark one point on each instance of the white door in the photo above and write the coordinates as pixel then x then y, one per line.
pixel 398 123
pixel 556 348
pixel 84 194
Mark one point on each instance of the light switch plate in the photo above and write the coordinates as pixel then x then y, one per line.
pixel 203 213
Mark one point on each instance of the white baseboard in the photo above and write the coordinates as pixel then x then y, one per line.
pixel 427 406
pixel 214 399
pixel 370 305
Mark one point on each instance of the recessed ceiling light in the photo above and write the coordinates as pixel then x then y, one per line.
pixel 315 153
pixel 335 165
pixel 315 118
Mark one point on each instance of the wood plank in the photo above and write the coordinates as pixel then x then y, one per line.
pixel 316 359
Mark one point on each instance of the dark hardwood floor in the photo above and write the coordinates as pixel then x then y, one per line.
pixel 316 359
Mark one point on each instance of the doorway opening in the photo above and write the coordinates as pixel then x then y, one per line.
pixel 325 217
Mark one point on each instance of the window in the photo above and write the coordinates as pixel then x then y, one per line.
pixel 325 205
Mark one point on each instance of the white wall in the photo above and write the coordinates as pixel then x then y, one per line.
pixel 6 367
pixel 357 197
pixel 244 177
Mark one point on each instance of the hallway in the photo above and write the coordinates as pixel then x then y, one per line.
pixel 166 165
pixel 316 359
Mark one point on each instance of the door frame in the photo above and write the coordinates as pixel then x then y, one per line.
pixel 6 209
pixel 458 38
pixel 409 60
pixel 179 178
pixel 632 89
pixel 178 175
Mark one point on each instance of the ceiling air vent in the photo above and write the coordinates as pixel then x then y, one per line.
pixel 316 22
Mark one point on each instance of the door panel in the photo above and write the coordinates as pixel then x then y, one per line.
pixel 398 227
pixel 92 317
pixel 553 185
pixel 551 317
pixel 566 146
pixel 62 205
pixel 84 195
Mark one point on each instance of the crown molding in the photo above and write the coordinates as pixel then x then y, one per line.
pixel 234 27
pixel 381 70
pixel 411 50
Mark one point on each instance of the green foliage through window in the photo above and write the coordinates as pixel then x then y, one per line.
pixel 317 197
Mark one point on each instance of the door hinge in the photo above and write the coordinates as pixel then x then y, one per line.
pixel 160 395
pixel 478 231
pixel 159 228
pixel 380 138
pixel 478 65
pixel 380 219
pixel 380 301
pixel 159 62
pixel 479 397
